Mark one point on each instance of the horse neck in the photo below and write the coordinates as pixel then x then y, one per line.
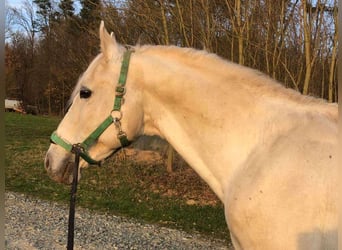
pixel 216 114
pixel 198 116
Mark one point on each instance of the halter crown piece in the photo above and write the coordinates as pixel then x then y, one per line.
pixel 114 117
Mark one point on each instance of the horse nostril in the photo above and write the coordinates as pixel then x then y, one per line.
pixel 47 162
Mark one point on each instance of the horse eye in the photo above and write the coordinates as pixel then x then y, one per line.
pixel 85 93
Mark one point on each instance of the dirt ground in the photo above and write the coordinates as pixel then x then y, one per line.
pixel 182 182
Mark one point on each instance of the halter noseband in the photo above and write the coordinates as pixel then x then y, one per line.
pixel 114 117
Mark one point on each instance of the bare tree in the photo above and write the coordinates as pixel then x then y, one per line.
pixel 312 22
pixel 294 41
pixel 332 72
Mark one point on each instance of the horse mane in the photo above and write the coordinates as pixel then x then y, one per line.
pixel 258 82
pixel 255 81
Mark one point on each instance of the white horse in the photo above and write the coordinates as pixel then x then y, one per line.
pixel 269 153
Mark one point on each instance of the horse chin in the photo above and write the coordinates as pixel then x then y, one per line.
pixel 65 176
pixel 68 173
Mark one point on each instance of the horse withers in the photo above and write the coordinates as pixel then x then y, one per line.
pixel 269 153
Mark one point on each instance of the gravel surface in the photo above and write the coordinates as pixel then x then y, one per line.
pixel 34 224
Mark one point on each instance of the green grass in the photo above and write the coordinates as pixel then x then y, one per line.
pixel 120 188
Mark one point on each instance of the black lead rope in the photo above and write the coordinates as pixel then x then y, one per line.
pixel 71 226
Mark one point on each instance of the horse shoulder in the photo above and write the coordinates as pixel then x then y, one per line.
pixel 290 181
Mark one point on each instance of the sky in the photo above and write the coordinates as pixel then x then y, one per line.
pixel 13 3
pixel 19 3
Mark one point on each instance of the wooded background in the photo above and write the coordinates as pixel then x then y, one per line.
pixel 50 43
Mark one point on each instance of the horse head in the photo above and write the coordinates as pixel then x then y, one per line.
pixel 105 112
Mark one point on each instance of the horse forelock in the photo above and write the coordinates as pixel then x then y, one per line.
pixel 75 90
pixel 86 74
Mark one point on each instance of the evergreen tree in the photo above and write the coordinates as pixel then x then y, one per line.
pixel 90 12
pixel 67 8
pixel 44 12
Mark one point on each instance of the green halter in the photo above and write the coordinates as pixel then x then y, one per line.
pixel 114 117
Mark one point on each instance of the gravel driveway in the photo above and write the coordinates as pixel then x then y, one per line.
pixel 36 224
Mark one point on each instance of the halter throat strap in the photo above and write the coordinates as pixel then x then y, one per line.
pixel 115 117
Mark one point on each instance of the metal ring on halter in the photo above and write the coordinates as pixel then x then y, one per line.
pixel 77 147
pixel 116 118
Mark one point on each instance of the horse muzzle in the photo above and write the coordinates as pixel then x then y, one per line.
pixel 59 167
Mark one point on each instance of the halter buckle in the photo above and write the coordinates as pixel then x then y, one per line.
pixel 120 91
pixel 121 134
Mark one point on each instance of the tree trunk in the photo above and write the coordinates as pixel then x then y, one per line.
pixel 164 21
pixel 170 154
pixel 240 30
pixel 307 48
pixel 49 98
pixel 182 25
pixel 333 58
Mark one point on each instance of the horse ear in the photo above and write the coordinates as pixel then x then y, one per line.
pixel 109 46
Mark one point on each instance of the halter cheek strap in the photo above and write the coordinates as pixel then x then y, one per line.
pixel 114 117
